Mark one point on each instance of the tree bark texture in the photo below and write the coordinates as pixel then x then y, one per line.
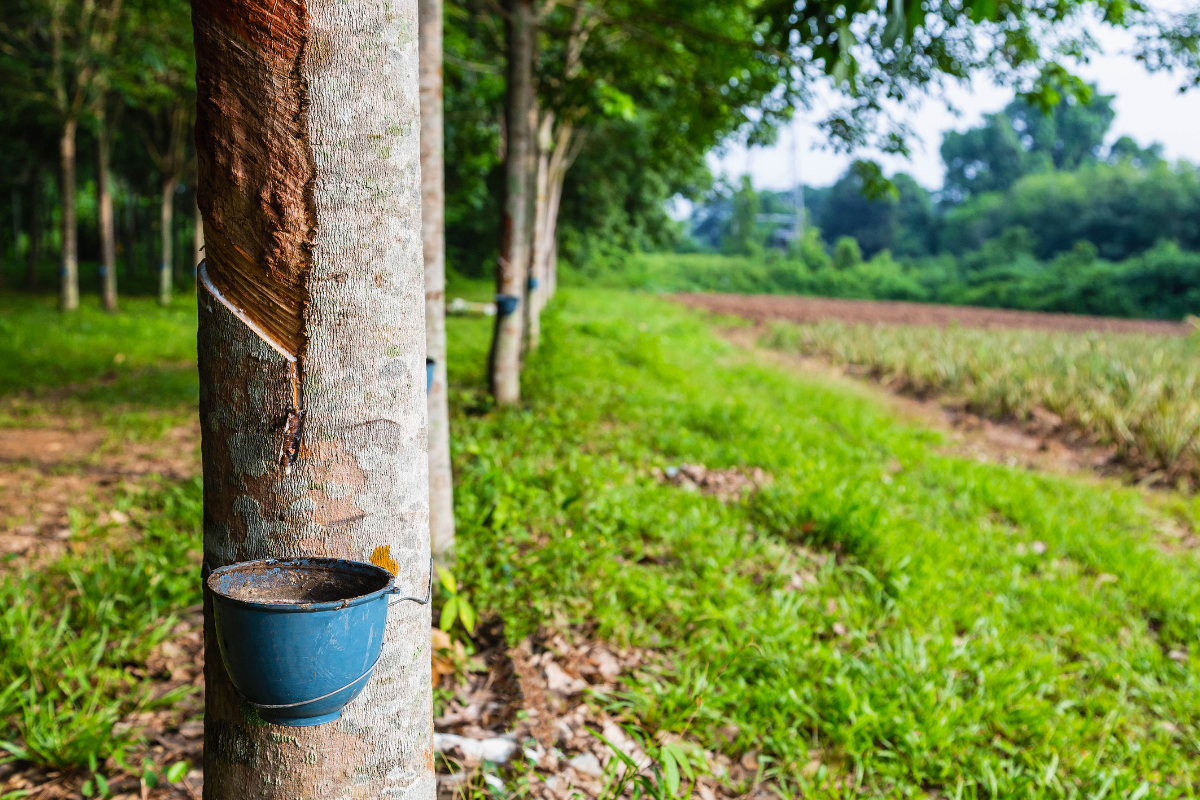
pixel 311 357
pixel 166 218
pixel 68 293
pixel 512 269
pixel 108 233
pixel 433 236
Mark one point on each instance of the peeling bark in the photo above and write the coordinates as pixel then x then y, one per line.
pixel 308 145
pixel 433 217
pixel 512 269
pixel 68 273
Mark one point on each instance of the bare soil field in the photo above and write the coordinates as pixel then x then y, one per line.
pixel 887 312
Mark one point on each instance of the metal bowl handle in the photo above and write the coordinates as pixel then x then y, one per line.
pixel 428 591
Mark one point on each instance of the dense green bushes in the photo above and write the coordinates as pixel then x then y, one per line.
pixel 1121 209
pixel 1163 283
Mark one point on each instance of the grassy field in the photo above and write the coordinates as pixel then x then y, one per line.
pixel 1139 393
pixel 958 629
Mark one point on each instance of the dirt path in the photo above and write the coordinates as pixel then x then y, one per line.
pixel 871 312
pixel 74 466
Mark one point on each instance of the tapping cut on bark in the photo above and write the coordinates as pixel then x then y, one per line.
pixel 254 152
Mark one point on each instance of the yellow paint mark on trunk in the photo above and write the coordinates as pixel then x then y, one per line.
pixel 382 557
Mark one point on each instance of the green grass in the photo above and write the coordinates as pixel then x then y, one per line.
pixel 70 633
pixel 135 368
pixel 976 631
pixel 972 665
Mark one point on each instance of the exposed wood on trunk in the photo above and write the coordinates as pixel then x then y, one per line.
pixel 513 265
pixel 108 233
pixel 68 269
pixel 308 139
pixel 433 235
pixel 256 197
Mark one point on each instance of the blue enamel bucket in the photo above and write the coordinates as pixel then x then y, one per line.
pixel 506 304
pixel 300 637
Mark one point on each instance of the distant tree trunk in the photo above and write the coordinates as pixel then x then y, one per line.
pixel 512 269
pixel 197 242
pixel 558 149
pixel 131 239
pixel 433 217
pixel 68 296
pixel 108 234
pixel 34 254
pixel 166 264
pixel 311 358
pixel 545 130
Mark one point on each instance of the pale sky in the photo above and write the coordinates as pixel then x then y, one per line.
pixel 1148 107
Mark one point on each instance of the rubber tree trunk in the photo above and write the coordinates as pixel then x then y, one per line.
pixel 433 237
pixel 312 362
pixel 131 238
pixel 537 288
pixel 108 233
pixel 34 254
pixel 166 263
pixel 68 293
pixel 512 268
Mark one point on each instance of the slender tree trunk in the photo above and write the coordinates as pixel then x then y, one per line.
pixel 513 267
pixel 108 233
pixel 311 357
pixel 545 141
pixel 34 254
pixel 433 217
pixel 16 222
pixel 131 241
pixel 68 296
pixel 166 264
pixel 197 243
pixel 15 196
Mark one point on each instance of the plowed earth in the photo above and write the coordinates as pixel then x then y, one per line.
pixel 871 312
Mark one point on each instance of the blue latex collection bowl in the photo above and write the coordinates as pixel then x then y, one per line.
pixel 506 304
pixel 300 637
